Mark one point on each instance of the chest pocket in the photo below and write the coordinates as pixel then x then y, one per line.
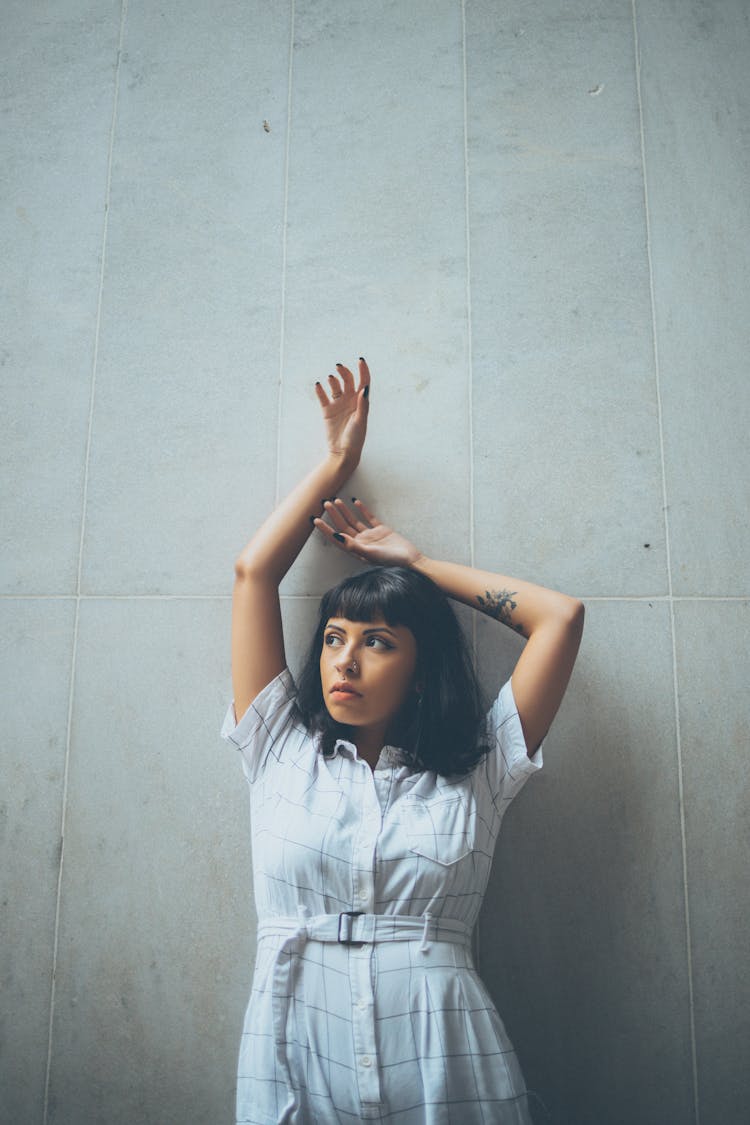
pixel 441 827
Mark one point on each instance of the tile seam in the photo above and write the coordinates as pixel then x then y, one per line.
pixel 477 953
pixel 282 325
pixel 469 323
pixel 290 597
pixel 71 693
pixel 670 598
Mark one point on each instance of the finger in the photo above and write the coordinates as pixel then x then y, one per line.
pixel 322 396
pixel 322 526
pixel 364 374
pixel 369 516
pixel 346 376
pixel 351 519
pixel 336 517
pixel 363 405
pixel 336 391
pixel 330 534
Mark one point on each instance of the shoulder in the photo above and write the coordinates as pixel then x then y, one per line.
pixel 507 763
pixel 275 703
pixel 271 729
pixel 504 725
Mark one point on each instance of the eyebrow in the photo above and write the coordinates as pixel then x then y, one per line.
pixel 365 632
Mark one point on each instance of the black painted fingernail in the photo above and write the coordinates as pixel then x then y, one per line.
pixel 337 535
pixel 354 499
pixel 362 358
pixel 339 365
pixel 367 391
pixel 312 520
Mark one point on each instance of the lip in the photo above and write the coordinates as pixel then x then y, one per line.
pixel 344 689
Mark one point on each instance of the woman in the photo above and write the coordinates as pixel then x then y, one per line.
pixel 377 791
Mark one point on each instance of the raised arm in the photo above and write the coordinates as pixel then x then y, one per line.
pixel 552 622
pixel 257 637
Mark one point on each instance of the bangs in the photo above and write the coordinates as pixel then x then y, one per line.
pixel 364 597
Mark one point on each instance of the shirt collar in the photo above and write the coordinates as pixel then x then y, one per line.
pixel 344 744
pixel 390 755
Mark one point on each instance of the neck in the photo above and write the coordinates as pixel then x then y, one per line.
pixel 369 742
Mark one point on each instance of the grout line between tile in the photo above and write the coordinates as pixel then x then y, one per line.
pixel 670 599
pixel 470 353
pixel 469 322
pixel 470 371
pixel 282 325
pixel 291 597
pixel 66 770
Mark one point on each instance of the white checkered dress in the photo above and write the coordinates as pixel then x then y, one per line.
pixel 379 1016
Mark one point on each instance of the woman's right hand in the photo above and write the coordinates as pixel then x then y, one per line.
pixel 345 412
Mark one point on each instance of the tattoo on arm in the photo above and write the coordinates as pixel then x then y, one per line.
pixel 498 604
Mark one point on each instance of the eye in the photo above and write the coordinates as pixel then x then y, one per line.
pixel 379 643
pixel 331 639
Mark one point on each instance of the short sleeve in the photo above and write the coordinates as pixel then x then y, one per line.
pixel 508 764
pixel 266 724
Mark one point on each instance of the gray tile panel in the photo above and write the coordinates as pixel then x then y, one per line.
pixel 376 262
pixel 157 927
pixel 567 468
pixel 38 645
pixel 696 103
pixel 712 664
pixel 583 935
pixel 58 87
pixel 183 450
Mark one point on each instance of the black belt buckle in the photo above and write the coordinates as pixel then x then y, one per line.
pixel 347 940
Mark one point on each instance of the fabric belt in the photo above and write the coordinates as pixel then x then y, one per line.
pixel 350 927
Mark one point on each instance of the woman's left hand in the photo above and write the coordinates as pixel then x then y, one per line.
pixel 363 535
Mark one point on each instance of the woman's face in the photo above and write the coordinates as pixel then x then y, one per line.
pixel 366 670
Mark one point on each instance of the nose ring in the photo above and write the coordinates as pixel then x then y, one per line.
pixel 354 666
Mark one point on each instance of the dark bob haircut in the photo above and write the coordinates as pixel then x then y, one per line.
pixel 444 732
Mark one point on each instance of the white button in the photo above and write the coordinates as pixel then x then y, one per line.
pixel 366 1060
pixel 361 1004
pixel 362 896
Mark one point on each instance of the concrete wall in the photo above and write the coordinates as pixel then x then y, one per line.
pixel 532 218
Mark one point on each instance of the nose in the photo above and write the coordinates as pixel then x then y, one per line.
pixel 346 661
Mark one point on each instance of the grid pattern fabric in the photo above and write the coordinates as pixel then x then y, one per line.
pixel 401 1031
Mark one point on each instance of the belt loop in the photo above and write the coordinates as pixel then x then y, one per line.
pixel 424 944
pixel 303 913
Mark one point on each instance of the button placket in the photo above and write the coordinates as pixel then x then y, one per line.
pixel 363 1025
pixel 364 851
pixel 360 959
